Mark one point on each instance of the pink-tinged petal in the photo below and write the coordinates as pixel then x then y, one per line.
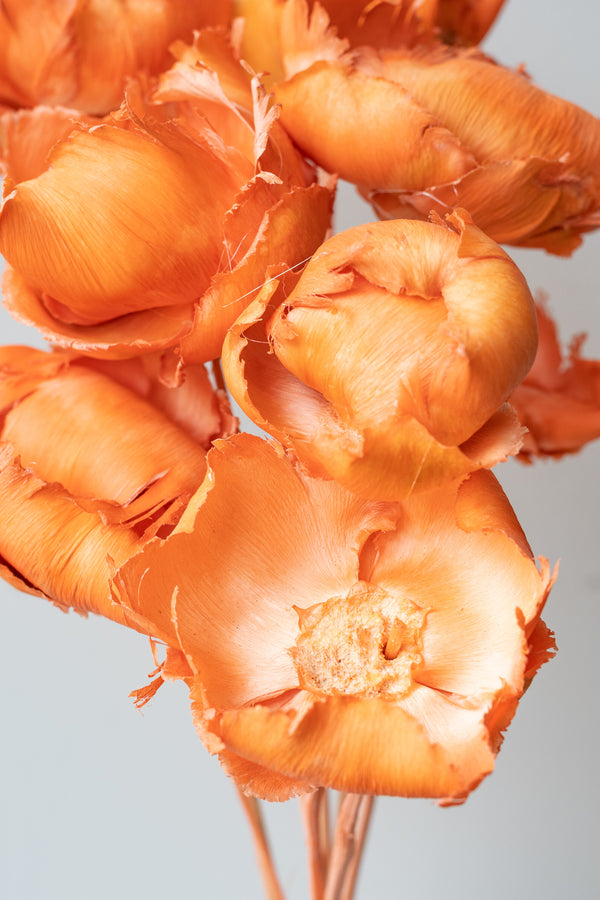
pixel 559 400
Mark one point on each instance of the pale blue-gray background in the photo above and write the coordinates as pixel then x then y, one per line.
pixel 99 801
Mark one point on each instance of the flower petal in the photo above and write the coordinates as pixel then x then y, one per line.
pixel 234 624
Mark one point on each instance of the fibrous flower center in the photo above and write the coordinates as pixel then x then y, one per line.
pixel 367 643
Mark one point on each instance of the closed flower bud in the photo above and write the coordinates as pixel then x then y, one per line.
pixel 388 365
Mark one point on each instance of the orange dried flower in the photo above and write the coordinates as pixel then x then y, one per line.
pixel 80 53
pixel 559 399
pixel 333 641
pixel 265 36
pixel 433 128
pixel 154 229
pixel 388 364
pixel 95 460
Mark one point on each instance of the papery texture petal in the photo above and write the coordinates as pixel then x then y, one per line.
pixel 190 191
pixel 465 555
pixel 477 135
pixel 288 234
pixel 131 174
pixel 329 105
pixel 559 400
pixel 258 781
pixel 28 136
pixel 59 550
pixel 139 457
pixel 389 377
pixel 234 624
pixel 81 52
pixel 361 745
pixel 143 332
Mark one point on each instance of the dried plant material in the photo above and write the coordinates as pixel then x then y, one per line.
pixel 438 127
pixel 80 53
pixel 388 365
pixel 559 400
pixel 285 610
pixel 189 193
pixel 94 464
pixel 266 33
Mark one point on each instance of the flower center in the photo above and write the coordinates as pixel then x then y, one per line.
pixel 366 643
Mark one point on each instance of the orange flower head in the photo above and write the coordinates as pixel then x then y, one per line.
pixel 559 399
pixel 267 35
pixel 435 127
pixel 95 460
pixel 376 648
pixel 152 229
pixel 80 53
pixel 388 365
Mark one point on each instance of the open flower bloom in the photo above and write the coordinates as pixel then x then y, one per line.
pixel 79 53
pixel 186 198
pixel 95 460
pixel 339 642
pixel 559 400
pixel 387 367
pixel 374 23
pixel 442 127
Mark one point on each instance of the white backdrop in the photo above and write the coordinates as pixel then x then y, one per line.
pixel 98 800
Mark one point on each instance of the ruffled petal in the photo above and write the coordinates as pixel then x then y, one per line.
pixel 464 557
pixel 82 53
pixel 139 333
pixel 442 127
pixel 387 363
pixel 235 625
pixel 559 400
pixel 365 746
pixel 196 173
pixel 59 550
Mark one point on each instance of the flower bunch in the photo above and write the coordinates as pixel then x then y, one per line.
pixel 352 603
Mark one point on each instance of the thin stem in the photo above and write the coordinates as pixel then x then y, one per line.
pixel 324 828
pixel 261 848
pixel 316 828
pixel 351 828
pixel 217 372
pixel 362 826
